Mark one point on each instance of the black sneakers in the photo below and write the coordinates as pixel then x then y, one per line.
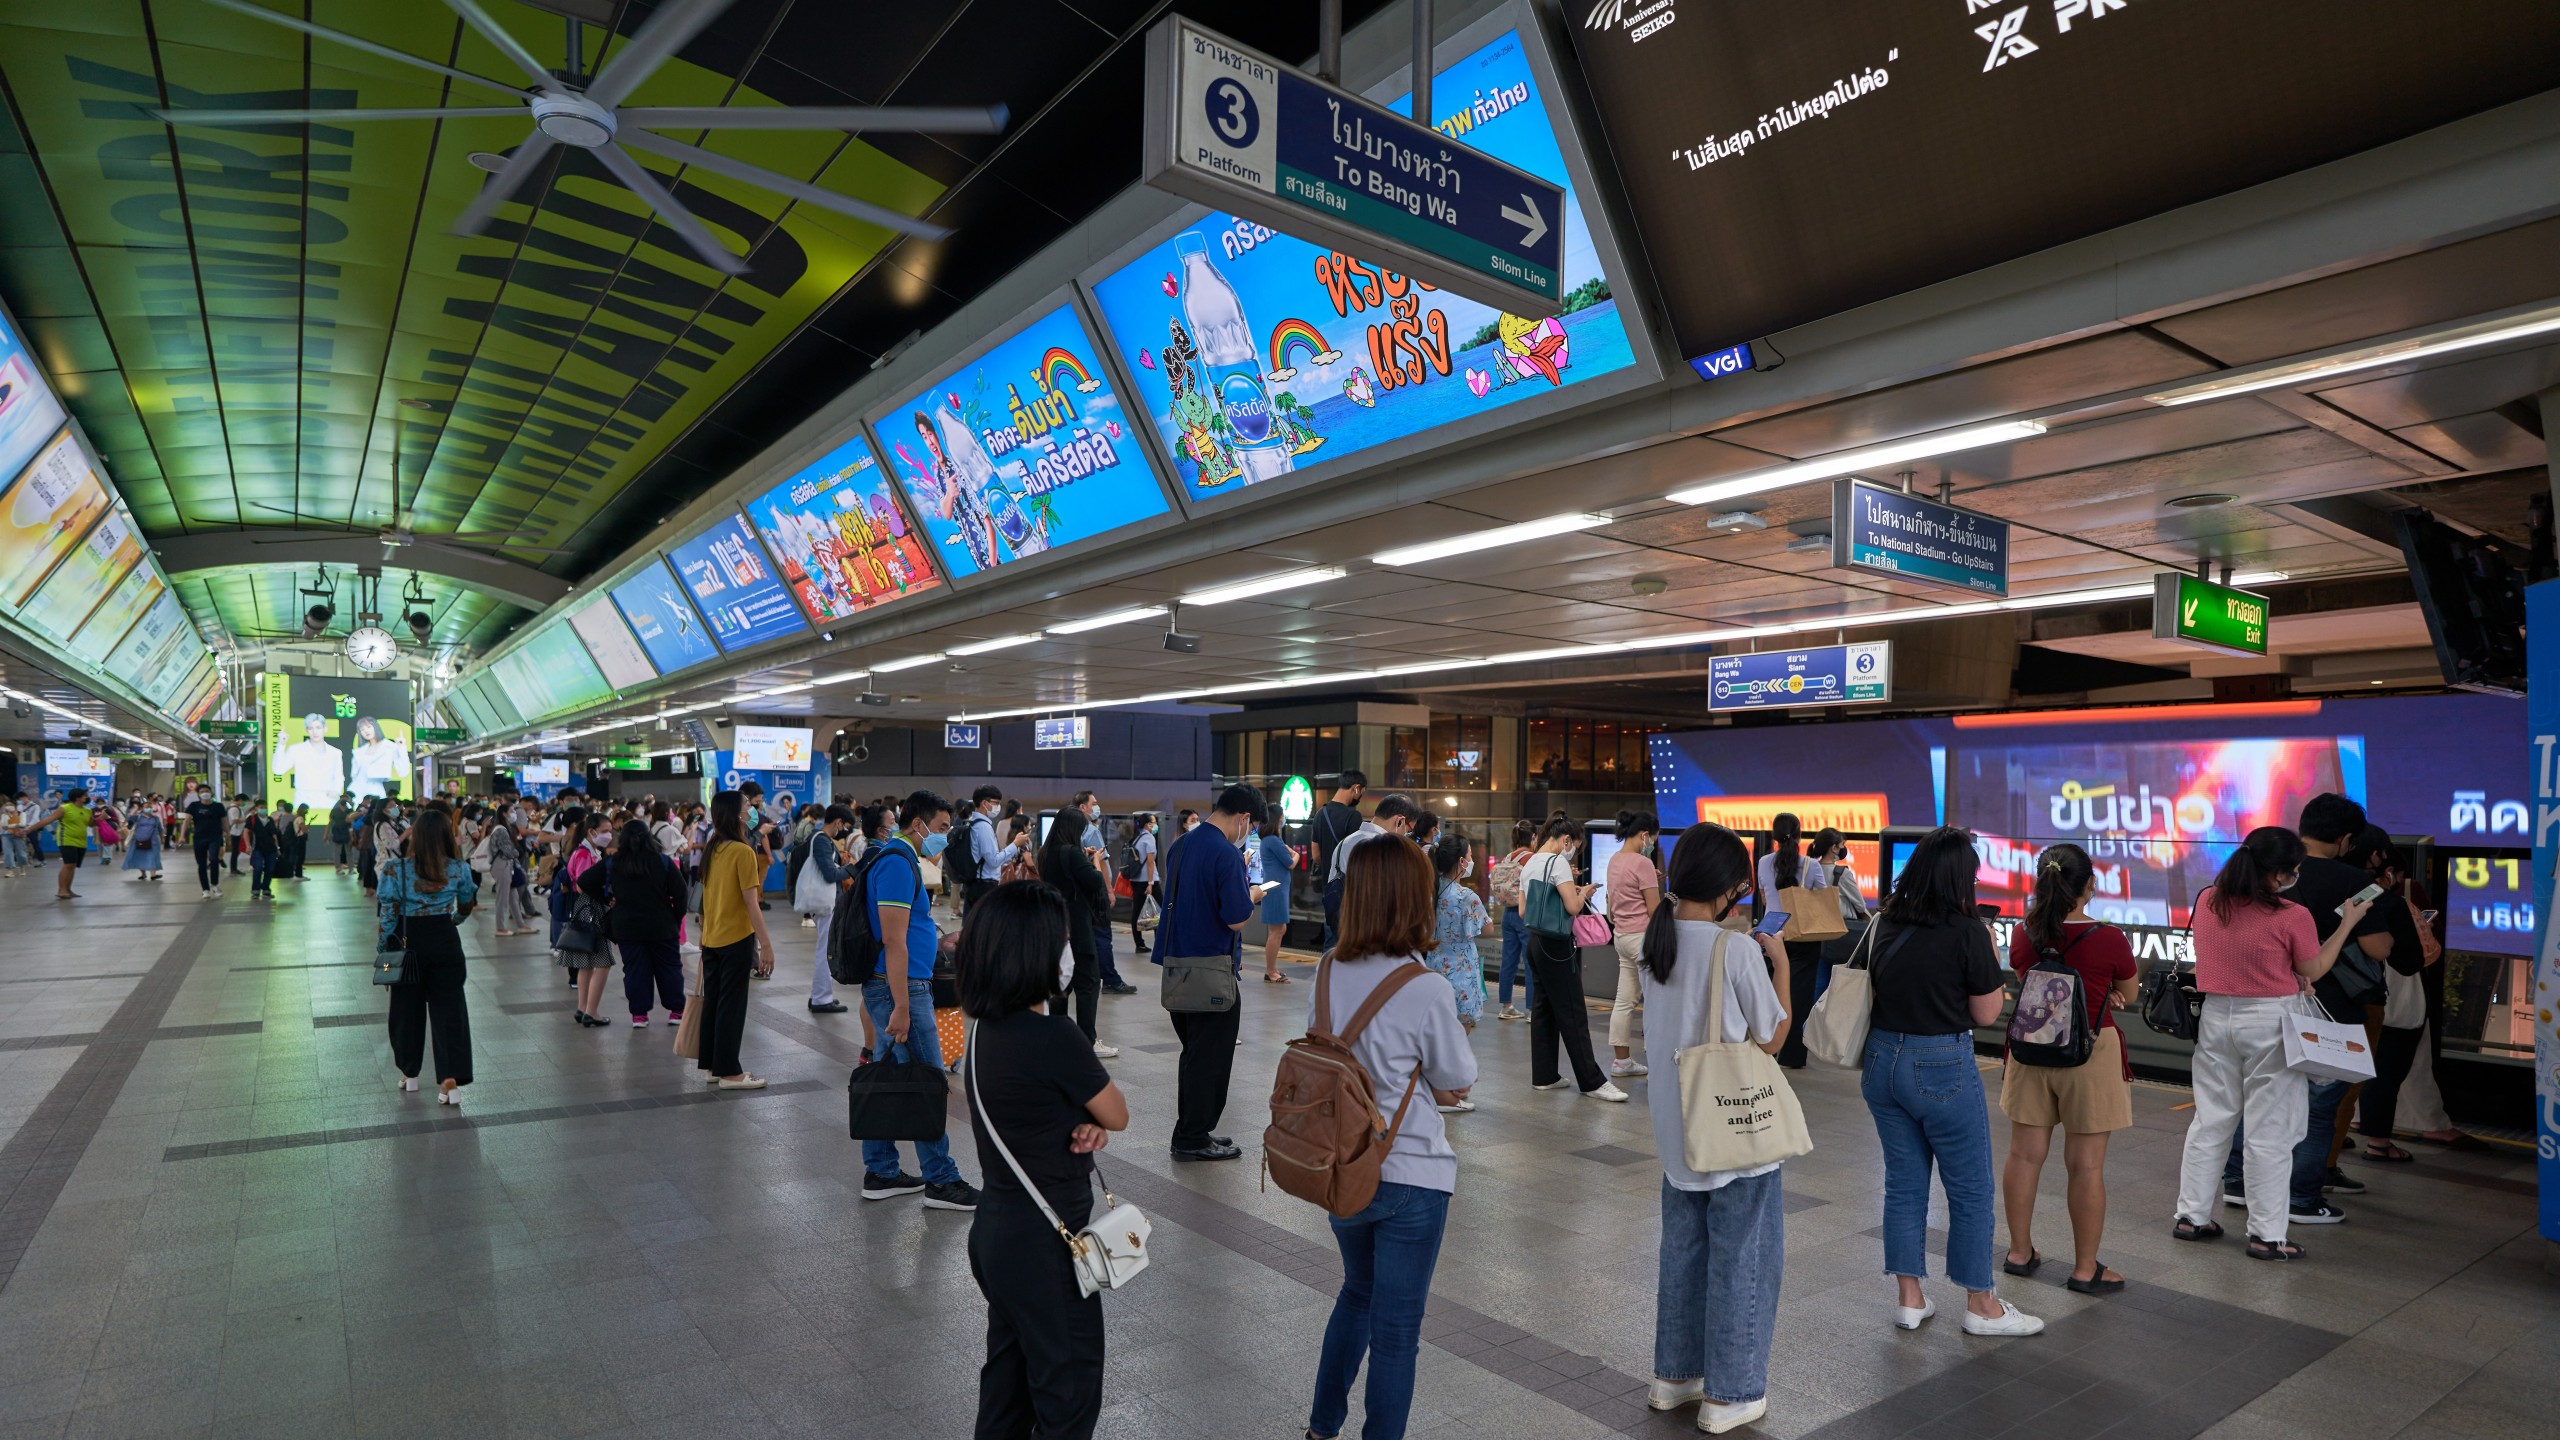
pixel 957 1195
pixel 1216 1149
pixel 889 1187
pixel 2342 1182
pixel 2323 1213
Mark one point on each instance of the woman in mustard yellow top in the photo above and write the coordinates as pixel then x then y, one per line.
pixel 733 941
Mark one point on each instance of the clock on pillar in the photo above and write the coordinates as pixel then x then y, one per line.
pixel 371 648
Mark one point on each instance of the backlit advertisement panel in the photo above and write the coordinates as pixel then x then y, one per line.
pixel 610 645
pixel 328 735
pixel 1257 355
pixel 1020 450
pixel 108 623
pixel 2158 796
pixel 29 413
pixel 837 533
pixel 550 674
pixel 2488 904
pixel 145 643
pixel 732 585
pixel 107 554
pixel 52 504
pixel 653 604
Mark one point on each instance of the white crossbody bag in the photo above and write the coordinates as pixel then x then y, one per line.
pixel 1109 1252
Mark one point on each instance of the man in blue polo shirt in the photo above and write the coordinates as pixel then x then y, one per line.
pixel 900 999
pixel 1204 912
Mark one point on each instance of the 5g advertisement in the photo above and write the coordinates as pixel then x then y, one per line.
pixel 327 736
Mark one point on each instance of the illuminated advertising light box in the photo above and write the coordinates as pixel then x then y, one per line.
pixel 43 514
pixel 327 735
pixel 141 588
pixel 29 413
pixel 1258 356
pixel 500 705
pixel 664 621
pixel 206 691
pixel 610 644
pixel 773 747
pixel 2159 796
pixel 78 765
pixel 101 560
pixel 731 581
pixel 543 772
pixel 161 636
pixel 839 536
pixel 550 674
pixel 1021 449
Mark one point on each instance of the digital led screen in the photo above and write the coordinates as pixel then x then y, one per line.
pixel 732 585
pixel 327 735
pixel 1257 354
pixel 2488 903
pixel 653 604
pixel 550 674
pixel 837 533
pixel 773 747
pixel 1791 162
pixel 462 708
pixel 203 690
pixel 43 514
pixel 543 772
pixel 108 623
pixel 105 556
pixel 610 644
pixel 1021 450
pixel 29 413
pixel 2158 797
pixel 494 699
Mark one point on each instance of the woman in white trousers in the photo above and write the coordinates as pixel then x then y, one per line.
pixel 2255 953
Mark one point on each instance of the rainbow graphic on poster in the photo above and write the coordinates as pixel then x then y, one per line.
pixel 1294 334
pixel 1065 372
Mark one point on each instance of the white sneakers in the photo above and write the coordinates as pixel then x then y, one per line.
pixel 1906 1318
pixel 2012 1321
pixel 1672 1394
pixel 1628 1066
pixel 1608 1092
pixel 1458 1107
pixel 1713 1418
pixel 1105 1052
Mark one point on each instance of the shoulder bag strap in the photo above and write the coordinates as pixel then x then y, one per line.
pixel 1324 996
pixel 1404 975
pixel 988 1126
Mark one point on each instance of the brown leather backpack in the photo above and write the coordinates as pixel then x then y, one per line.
pixel 1327 1138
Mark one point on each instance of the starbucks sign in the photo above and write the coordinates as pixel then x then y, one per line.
pixel 1297 800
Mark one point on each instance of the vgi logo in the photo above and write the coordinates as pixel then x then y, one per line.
pixel 1639 18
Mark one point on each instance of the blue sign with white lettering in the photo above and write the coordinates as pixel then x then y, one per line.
pixel 1857 674
pixel 1731 361
pixel 956 736
pixel 2542 728
pixel 1898 533
pixel 1071 732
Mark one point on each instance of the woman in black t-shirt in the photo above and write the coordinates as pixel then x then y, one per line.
pixel 1935 978
pixel 1049 1099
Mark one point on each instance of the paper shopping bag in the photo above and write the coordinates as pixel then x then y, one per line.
pixel 2326 1049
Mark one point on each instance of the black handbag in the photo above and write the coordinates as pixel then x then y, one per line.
pixel 391 957
pixel 2168 1000
pixel 898 1099
pixel 583 932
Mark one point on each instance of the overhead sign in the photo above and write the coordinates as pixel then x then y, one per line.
pixel 956 736
pixel 238 727
pixel 1732 360
pixel 438 735
pixel 2200 612
pixel 1857 674
pixel 774 747
pixel 77 762
pixel 1875 527
pixel 626 762
pixel 1071 732
pixel 1235 129
pixel 1297 800
pixel 29 413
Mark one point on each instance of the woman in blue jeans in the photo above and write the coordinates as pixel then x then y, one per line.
pixel 1724 1232
pixel 1935 978
pixel 1413 1042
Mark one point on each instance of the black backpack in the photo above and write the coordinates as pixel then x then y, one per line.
pixel 2050 1026
pixel 960 857
pixel 853 952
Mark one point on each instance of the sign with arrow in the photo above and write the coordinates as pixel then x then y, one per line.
pixel 2200 612
pixel 1235 129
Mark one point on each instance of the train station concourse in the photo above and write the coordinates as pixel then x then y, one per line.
pixel 1856 688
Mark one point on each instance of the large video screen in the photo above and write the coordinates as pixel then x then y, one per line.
pixel 1788 162
pixel 839 536
pixel 1019 451
pixel 102 559
pixel 732 585
pixel 493 698
pixel 43 515
pixel 609 642
pixel 328 735
pixel 29 413
pixel 1257 354
pixel 2488 903
pixel 550 674
pixel 653 604
pixel 138 658
pixel 2158 796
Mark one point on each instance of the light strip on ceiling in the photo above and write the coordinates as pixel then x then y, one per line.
pixel 911 662
pixel 1115 617
pixel 791 689
pixel 1268 584
pixel 2295 373
pixel 841 677
pixel 1526 530
pixel 1850 462
pixel 1002 642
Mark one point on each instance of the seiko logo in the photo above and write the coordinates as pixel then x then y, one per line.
pixel 1639 18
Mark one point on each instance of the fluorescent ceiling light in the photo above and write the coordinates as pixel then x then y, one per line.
pixel 1526 530
pixel 2259 577
pixel 786 689
pixel 840 677
pixel 1116 617
pixel 1247 589
pixel 911 662
pixel 1850 462
pixel 2295 373
pixel 1004 642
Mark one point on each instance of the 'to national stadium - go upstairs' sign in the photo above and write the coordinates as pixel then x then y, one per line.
pixel 1235 129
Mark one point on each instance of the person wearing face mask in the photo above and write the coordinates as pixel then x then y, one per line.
pixel 1457 918
pixel 1098 850
pixel 1634 883
pixel 1277 862
pixel 1066 862
pixel 1142 876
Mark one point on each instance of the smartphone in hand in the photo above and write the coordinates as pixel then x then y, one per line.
pixel 2365 896
pixel 1772 923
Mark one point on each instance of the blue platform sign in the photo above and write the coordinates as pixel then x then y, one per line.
pixel 2542 729
pixel 956 736
pixel 1857 674
pixel 1874 527
pixel 1237 130
pixel 1730 361
pixel 1072 732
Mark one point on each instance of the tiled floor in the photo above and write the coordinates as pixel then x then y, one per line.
pixel 218 1217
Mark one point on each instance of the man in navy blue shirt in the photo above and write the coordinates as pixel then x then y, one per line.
pixel 1204 914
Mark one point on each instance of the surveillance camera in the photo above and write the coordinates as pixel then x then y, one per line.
pixel 316 619
pixel 871 698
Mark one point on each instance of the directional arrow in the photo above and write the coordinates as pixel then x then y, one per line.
pixel 2189 617
pixel 1533 224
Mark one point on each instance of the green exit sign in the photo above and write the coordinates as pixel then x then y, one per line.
pixel 243 728
pixel 436 735
pixel 2203 613
pixel 627 762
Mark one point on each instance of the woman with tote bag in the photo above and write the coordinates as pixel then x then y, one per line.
pixel 1711 995
pixel 1786 868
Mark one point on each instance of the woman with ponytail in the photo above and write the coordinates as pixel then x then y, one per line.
pixel 1785 867
pixel 1723 1232
pixel 2256 952
pixel 2090 1100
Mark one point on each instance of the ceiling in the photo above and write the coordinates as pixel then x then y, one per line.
pixel 270 326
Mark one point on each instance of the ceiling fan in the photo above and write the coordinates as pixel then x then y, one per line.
pixel 586 112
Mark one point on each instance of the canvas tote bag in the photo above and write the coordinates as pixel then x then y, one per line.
pixel 1737 1111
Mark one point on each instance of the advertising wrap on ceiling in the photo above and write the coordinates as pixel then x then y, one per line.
pixel 328 735
pixel 839 536
pixel 732 585
pixel 1020 450
pixel 652 602
pixel 1257 355
pixel 1790 162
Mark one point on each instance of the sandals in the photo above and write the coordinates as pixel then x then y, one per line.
pixel 2028 1266
pixel 1275 979
pixel 2098 1283
pixel 2189 1230
pixel 2389 1154
pixel 2278 1250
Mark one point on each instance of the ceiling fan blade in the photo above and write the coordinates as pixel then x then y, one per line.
pixel 260 12
pixel 305 117
pixel 520 167
pixel 508 45
pixel 469 553
pixel 719 164
pixel 670 210
pixel 665 33
pixel 923 119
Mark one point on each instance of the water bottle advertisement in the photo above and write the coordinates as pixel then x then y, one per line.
pixel 1257 354
pixel 1020 450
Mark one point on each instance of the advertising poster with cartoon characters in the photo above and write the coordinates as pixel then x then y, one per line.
pixel 1021 450
pixel 838 535
pixel 1257 354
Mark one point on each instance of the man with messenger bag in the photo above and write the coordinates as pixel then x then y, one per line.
pixel 1200 949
